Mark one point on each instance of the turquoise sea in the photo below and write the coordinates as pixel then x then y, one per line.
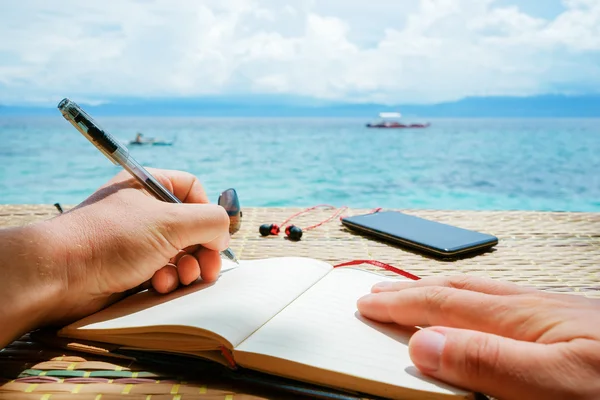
pixel 483 164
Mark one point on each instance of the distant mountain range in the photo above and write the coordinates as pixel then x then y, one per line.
pixel 561 106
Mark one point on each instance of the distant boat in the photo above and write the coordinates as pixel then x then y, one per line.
pixel 138 141
pixel 389 120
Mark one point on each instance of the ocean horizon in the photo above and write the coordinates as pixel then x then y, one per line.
pixel 455 164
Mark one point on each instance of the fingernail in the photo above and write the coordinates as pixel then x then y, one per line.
pixel 382 285
pixel 426 348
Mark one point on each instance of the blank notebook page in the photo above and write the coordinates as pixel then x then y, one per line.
pixel 234 306
pixel 322 328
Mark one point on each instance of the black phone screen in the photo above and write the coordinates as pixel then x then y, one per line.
pixel 429 236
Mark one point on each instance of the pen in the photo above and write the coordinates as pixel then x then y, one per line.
pixel 119 154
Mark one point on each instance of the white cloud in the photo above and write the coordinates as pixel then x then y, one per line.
pixel 402 51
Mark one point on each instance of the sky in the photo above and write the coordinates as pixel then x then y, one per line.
pixel 390 52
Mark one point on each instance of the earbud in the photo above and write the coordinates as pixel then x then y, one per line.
pixel 293 232
pixel 269 229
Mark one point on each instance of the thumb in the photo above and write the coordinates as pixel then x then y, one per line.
pixel 188 224
pixel 494 365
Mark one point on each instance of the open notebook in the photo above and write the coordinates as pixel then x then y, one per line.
pixel 291 317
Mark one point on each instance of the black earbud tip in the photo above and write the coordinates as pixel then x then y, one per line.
pixel 293 232
pixel 265 229
pixel 269 229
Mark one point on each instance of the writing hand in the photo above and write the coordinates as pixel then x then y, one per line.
pixel 497 338
pixel 120 238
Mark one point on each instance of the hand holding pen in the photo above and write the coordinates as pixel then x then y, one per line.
pixel 119 154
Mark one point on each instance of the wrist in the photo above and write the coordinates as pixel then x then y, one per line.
pixel 32 283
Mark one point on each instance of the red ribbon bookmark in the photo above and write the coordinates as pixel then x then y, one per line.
pixel 381 265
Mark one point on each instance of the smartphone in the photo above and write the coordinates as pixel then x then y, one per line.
pixel 430 237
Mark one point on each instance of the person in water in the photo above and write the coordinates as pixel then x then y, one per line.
pixel 138 138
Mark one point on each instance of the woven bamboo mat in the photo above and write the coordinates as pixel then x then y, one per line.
pixel 551 251
pixel 30 370
pixel 558 252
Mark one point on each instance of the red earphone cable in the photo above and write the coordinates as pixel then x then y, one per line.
pixel 295 232
pixel 305 211
pixel 370 212
pixel 335 214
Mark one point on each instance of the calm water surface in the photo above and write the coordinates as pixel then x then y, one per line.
pixel 455 164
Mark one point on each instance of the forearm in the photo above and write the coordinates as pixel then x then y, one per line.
pixel 30 279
